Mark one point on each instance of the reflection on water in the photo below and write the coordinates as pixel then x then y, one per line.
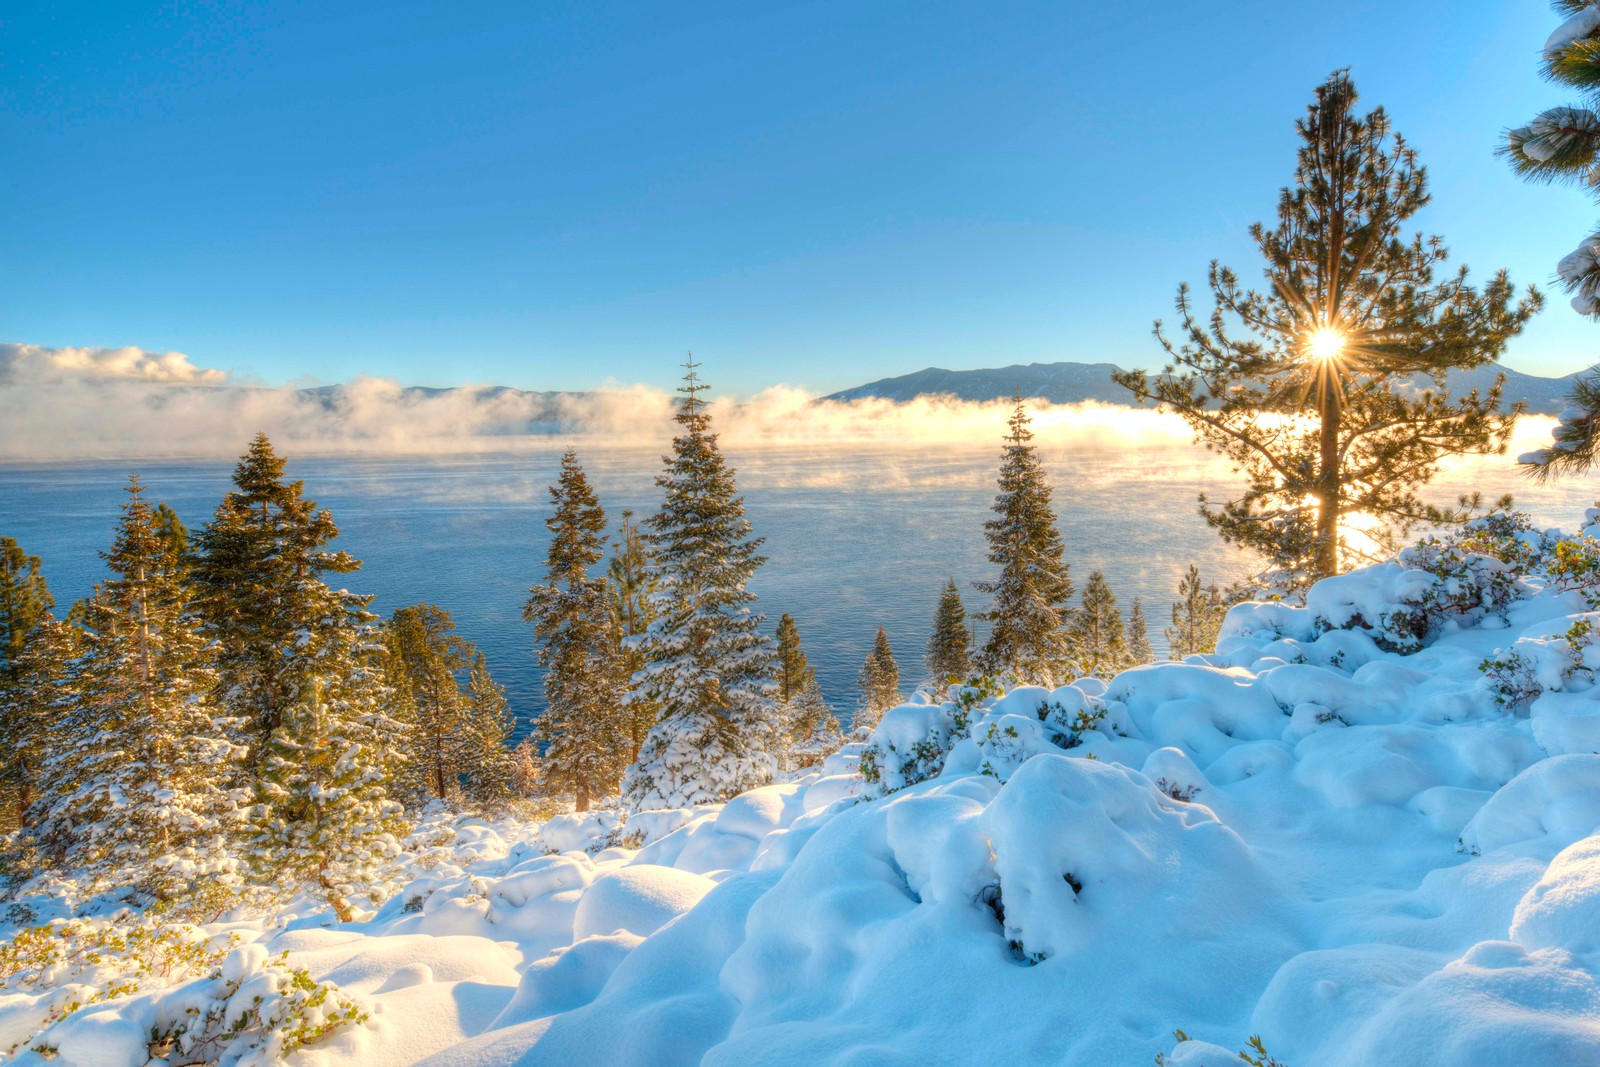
pixel 856 537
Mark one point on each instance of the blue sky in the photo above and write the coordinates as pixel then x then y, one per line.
pixel 553 195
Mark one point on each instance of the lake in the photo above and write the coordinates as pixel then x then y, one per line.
pixel 858 535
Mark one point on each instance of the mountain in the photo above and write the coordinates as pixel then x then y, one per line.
pixel 1069 383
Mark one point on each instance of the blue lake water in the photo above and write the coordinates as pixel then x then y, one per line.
pixel 857 536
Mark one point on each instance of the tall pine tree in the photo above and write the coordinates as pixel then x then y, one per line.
pixel 1095 631
pixel 879 681
pixel 708 667
pixel 949 656
pixel 1138 651
pixel 1307 386
pixel 793 670
pixel 583 726
pixel 25 603
pixel 139 788
pixel 1197 616
pixel 1030 597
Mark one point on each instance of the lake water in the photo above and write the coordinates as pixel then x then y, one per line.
pixel 856 537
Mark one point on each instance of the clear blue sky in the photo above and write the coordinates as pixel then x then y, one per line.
pixel 550 195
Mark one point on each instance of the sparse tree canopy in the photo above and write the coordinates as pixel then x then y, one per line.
pixel 1197 616
pixel 1302 385
pixel 1030 597
pixel 1562 145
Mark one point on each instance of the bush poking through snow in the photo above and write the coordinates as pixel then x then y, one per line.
pixel 1519 675
pixel 1256 1055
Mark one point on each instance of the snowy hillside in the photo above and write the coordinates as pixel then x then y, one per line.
pixel 1364 830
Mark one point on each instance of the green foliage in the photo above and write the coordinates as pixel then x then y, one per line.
pixel 1136 647
pixel 793 670
pixel 632 587
pixel 1197 616
pixel 1095 636
pixel 879 681
pixel 1513 676
pixel 1320 439
pixel 1031 594
pixel 949 657
pixel 25 602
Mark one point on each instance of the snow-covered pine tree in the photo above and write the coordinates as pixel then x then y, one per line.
pixel 583 727
pixel 812 726
pixel 1197 616
pixel 527 768
pixel 493 768
pixel 450 704
pixel 1562 144
pixel 631 587
pixel 1137 650
pixel 25 603
pixel 1095 631
pixel 708 665
pixel 793 670
pixel 139 788
pixel 258 575
pixel 879 681
pixel 1308 385
pixel 949 656
pixel 1029 607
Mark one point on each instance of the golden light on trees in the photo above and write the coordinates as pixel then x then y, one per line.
pixel 1325 343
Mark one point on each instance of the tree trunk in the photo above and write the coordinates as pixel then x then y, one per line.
pixel 1329 404
pixel 583 795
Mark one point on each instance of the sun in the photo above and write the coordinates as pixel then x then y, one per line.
pixel 1326 343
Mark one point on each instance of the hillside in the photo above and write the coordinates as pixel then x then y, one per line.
pixel 1070 383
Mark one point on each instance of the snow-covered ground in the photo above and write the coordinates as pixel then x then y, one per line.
pixel 1363 856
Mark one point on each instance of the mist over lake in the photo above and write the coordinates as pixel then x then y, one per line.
pixel 858 534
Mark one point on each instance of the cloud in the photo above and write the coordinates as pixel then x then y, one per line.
pixel 24 364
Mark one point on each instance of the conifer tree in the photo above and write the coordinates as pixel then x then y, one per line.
pixel 491 779
pixel 879 681
pixel 25 603
pixel 950 645
pixel 258 574
pixel 174 538
pixel 708 666
pixel 1302 385
pixel 1026 642
pixel 812 727
pixel 1562 145
pixel 43 693
pixel 1095 630
pixel 457 714
pixel 583 724
pixel 527 768
pixel 1139 651
pixel 138 789
pixel 1197 616
pixel 631 586
pixel 793 670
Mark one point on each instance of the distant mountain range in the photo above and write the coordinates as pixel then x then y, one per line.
pixel 1070 383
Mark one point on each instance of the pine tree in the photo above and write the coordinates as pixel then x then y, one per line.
pixel 527 768
pixel 456 713
pixel 174 538
pixel 138 789
pixel 258 575
pixel 1562 144
pixel 583 724
pixel 631 587
pixel 812 727
pixel 708 666
pixel 1138 650
pixel 1197 616
pixel 1098 646
pixel 1026 642
pixel 879 681
pixel 793 670
pixel 45 692
pixel 25 603
pixel 1307 401
pixel 950 645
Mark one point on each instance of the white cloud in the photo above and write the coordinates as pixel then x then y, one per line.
pixel 37 363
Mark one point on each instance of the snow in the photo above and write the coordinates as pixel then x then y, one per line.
pixel 1329 833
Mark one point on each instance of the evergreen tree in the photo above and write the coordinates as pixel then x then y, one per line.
pixel 1197 616
pixel 812 727
pixel 583 725
pixel 1139 651
pixel 174 539
pixel 1562 144
pixel 43 693
pixel 258 575
pixel 1095 632
pixel 793 670
pixel 708 666
pixel 25 603
pixel 950 645
pixel 879 681
pixel 1026 642
pixel 1307 401
pixel 138 787
pixel 631 587
pixel 527 768
pixel 457 714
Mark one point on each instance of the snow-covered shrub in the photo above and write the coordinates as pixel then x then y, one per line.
pixel 1005 741
pixel 1573 564
pixel 1560 662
